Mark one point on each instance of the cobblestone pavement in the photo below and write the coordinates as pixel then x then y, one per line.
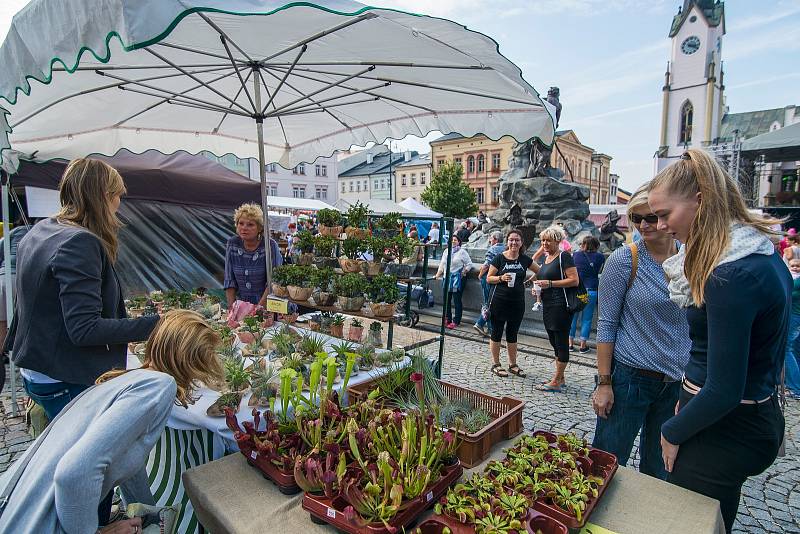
pixel 770 502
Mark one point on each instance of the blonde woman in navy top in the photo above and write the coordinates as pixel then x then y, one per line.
pixel 737 292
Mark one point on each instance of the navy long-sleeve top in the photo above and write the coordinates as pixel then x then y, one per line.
pixel 738 341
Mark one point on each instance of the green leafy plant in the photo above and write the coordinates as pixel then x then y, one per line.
pixel 353 248
pixel 338 320
pixel 281 274
pixel 323 279
pixel 329 217
pixel 449 194
pixel 402 247
pixel 236 376
pixel 310 345
pixel 357 215
pixel 356 322
pixel 351 285
pixel 383 288
pixel 390 221
pixel 366 355
pixel 305 241
pixel 324 246
pixel 378 247
pixel 376 326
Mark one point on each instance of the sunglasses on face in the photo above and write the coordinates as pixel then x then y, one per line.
pixel 650 219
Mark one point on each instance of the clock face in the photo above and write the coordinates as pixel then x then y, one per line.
pixel 690 45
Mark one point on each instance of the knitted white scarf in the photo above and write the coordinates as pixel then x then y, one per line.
pixel 745 240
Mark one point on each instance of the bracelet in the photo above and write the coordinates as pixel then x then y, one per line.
pixel 550 285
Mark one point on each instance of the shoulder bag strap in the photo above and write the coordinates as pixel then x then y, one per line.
pixel 634 263
pixel 31 452
pixel 561 268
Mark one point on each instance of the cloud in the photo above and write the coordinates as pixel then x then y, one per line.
pixel 780 39
pixel 760 20
pixel 611 113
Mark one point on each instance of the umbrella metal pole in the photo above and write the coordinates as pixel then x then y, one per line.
pixel 12 381
pixel 262 174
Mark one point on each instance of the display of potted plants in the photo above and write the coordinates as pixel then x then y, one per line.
pixel 377 247
pixel 350 290
pixel 301 282
pixel 366 356
pixel 403 248
pixel 355 331
pixel 351 259
pixel 323 282
pixel 337 326
pixel 329 222
pixel 324 249
pixel 357 218
pixel 305 242
pixel 389 225
pixel 374 335
pixel 383 295
pixel 281 277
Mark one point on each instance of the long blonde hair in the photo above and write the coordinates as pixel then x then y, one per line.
pixel 182 345
pixel 85 192
pixel 721 204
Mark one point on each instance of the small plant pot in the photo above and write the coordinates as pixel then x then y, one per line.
pixel 288 318
pixel 382 310
pixel 279 291
pixel 358 233
pixel 314 325
pixel 245 337
pixel 400 270
pixel 351 304
pixel 299 293
pixel 372 268
pixel 354 334
pixel 269 320
pixel 320 262
pixel 337 330
pixel 374 339
pixel 306 258
pixel 333 231
pixel 322 298
pixel 350 266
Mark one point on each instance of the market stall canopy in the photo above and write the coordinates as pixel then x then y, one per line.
pixel 302 204
pixel 378 206
pixel 178 178
pixel 419 209
pixel 94 76
pixel 782 144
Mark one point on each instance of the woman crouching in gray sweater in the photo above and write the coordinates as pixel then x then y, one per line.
pixel 102 439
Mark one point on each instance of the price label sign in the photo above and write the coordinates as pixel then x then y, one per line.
pixel 429 496
pixel 277 305
pixel 331 513
pixel 253 455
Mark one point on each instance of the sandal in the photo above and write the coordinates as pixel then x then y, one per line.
pixel 515 370
pixel 548 387
pixel 499 371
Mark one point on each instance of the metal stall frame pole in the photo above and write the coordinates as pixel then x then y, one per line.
pixel 447 224
pixel 9 297
pixel 262 176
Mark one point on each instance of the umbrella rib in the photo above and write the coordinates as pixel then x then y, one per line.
pixel 280 122
pixel 171 94
pixel 96 89
pixel 299 111
pixel 351 93
pixel 136 67
pixel 327 87
pixel 219 125
pixel 168 62
pixel 288 72
pixel 223 34
pixel 323 33
pixel 379 64
pixel 173 100
pixel 238 74
pixel 290 86
pixel 195 51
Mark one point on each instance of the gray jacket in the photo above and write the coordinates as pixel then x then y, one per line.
pixel 71 319
pixel 101 442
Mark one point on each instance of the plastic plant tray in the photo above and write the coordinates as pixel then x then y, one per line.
pixel 284 480
pixel 535 521
pixel 331 511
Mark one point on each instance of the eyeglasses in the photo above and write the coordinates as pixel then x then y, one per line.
pixel 650 219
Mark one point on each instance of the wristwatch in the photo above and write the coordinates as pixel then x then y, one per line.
pixel 602 380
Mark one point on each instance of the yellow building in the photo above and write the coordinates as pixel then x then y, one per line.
pixel 483 161
pixel 583 165
pixel 412 177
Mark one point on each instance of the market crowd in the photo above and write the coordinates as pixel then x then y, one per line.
pixel 695 322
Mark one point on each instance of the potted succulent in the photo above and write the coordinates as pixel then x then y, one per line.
pixel 355 331
pixel 389 226
pixel 301 282
pixel 281 276
pixel 403 249
pixel 376 246
pixel 337 326
pixel 374 336
pixel 329 222
pixel 357 218
pixel 383 295
pixel 366 357
pixel 350 290
pixel 305 242
pixel 323 282
pixel 324 248
pixel 350 261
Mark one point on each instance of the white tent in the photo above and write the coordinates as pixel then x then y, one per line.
pixel 290 203
pixel 419 208
pixel 378 206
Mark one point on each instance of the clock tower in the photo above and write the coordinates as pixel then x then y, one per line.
pixel 692 105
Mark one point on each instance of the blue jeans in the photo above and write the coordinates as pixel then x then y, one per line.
pixel 486 288
pixel 640 403
pixel 52 397
pixel 454 311
pixel 792 365
pixel 586 317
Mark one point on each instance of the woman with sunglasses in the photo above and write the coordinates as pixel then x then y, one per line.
pixel 642 344
pixel 738 294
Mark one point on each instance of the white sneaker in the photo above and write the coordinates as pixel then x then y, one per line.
pixel 537 306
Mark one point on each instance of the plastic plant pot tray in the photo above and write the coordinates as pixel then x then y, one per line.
pixel 534 523
pixel 284 480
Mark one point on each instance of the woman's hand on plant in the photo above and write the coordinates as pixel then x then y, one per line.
pixel 125 526
pixel 669 452
pixel 603 400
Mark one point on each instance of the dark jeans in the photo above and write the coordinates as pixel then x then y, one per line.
pixel 454 315
pixel 559 340
pixel 640 403
pixel 717 460
pixel 486 293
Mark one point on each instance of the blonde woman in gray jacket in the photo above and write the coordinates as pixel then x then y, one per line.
pixel 102 439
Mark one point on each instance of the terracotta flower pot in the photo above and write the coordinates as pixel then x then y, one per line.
pixel 382 309
pixel 350 266
pixel 351 304
pixel 333 231
pixel 337 330
pixel 299 293
pixel 245 337
pixel 279 291
pixel 354 333
pixel 358 233
pixel 372 268
pixel 269 320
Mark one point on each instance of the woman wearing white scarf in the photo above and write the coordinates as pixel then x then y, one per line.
pixel 728 425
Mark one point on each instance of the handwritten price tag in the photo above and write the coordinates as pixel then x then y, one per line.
pixel 429 496
pixel 331 513
pixel 253 455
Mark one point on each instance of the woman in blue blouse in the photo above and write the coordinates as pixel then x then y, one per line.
pixel 642 345
pixel 245 266
pixel 737 292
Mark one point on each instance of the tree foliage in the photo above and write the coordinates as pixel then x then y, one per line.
pixel 449 194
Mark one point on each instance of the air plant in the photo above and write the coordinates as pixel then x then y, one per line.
pixel 236 376
pixel 310 345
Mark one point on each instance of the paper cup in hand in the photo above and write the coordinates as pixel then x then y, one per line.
pixel 513 278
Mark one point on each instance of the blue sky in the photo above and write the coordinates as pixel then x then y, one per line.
pixel 609 56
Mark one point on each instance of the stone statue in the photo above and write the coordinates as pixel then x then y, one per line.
pixel 514 217
pixel 610 234
pixel 540 154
